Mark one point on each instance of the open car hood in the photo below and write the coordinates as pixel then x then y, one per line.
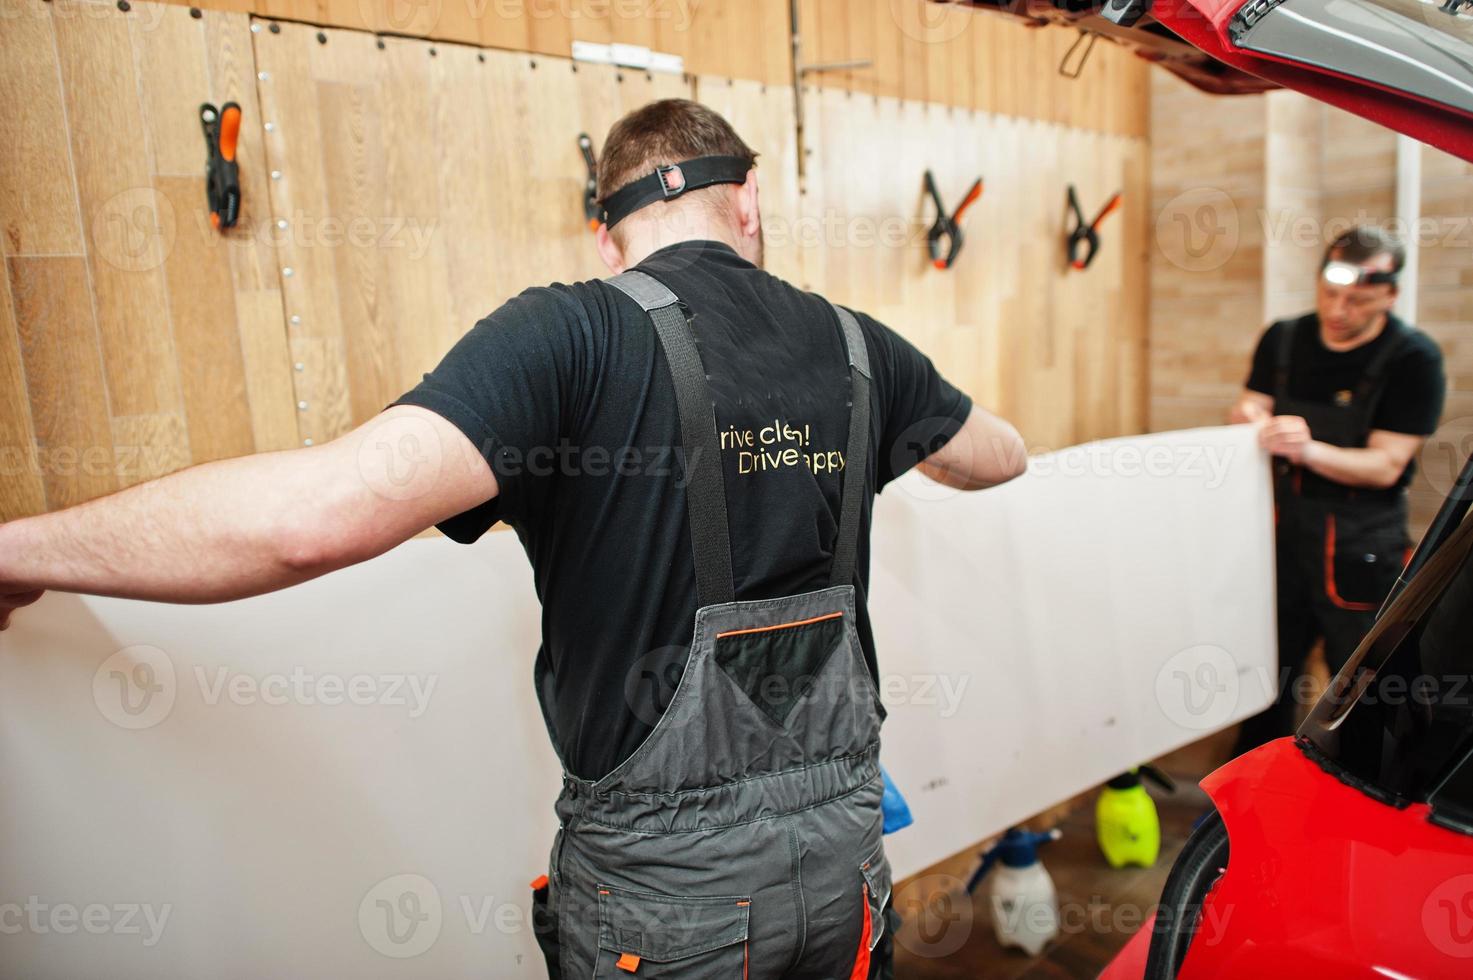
pixel 1405 64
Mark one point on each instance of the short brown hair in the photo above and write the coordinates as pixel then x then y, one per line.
pixel 661 133
pixel 1362 243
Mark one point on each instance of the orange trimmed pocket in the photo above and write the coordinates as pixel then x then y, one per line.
pixel 650 935
pixel 1358 578
pixel 776 666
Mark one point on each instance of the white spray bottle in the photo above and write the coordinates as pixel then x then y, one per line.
pixel 1025 904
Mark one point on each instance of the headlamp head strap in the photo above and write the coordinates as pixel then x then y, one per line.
pixel 1340 273
pixel 672 180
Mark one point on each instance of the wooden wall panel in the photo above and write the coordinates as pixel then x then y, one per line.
pixel 1207 256
pixel 38 201
pixel 398 189
pixel 1445 310
pixel 955 55
pixel 919 50
pixel 764 116
pixel 1060 352
pixel 464 164
pixel 68 394
pixel 171 331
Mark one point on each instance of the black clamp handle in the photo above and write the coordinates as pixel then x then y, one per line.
pixel 222 174
pixel 1087 233
pixel 593 212
pixel 947 227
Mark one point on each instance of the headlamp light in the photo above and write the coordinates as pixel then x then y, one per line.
pixel 1350 274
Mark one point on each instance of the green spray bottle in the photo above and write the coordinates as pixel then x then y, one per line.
pixel 1126 823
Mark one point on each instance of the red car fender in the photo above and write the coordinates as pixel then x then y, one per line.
pixel 1323 881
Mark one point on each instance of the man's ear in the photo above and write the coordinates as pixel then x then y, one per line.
pixel 608 249
pixel 748 211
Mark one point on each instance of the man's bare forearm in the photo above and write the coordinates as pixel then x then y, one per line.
pixel 210 533
pixel 1370 467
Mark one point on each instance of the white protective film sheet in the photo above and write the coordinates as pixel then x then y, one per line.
pixel 352 777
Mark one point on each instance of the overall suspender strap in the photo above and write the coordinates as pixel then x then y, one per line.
pixel 705 489
pixel 1370 389
pixel 705 486
pixel 1281 364
pixel 856 453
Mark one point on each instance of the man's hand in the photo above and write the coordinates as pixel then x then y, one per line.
pixel 1287 436
pixel 1251 406
pixel 11 601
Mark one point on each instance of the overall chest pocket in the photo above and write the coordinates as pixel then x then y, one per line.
pixel 641 934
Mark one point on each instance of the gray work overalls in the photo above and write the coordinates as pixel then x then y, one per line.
pixel 742 838
pixel 1339 548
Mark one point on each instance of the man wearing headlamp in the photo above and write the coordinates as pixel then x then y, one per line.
pixel 1344 397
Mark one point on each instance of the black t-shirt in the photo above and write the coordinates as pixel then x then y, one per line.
pixel 1413 382
pixel 568 395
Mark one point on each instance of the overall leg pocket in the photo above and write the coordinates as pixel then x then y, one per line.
pixel 545 927
pixel 644 934
pixel 1362 559
pixel 874 874
pixel 875 871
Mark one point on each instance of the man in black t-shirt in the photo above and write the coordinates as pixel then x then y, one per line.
pixel 577 397
pixel 1344 397
pixel 559 414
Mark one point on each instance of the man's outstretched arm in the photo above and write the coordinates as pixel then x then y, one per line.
pixel 985 452
pixel 253 524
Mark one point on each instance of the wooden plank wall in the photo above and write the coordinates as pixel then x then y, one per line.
pixel 956 55
pixel 1206 257
pixel 133 340
pixel 463 166
pixel 418 184
pixel 1282 176
pixel 1445 310
pixel 1060 352
pixel 918 49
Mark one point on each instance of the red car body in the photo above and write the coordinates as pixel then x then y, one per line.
pixel 1324 882
pixel 1347 850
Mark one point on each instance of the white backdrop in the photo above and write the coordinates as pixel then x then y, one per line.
pixel 352 778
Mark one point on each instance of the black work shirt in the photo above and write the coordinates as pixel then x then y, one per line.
pixel 1414 386
pixel 566 391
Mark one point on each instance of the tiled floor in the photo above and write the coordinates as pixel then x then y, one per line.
pixel 947 937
